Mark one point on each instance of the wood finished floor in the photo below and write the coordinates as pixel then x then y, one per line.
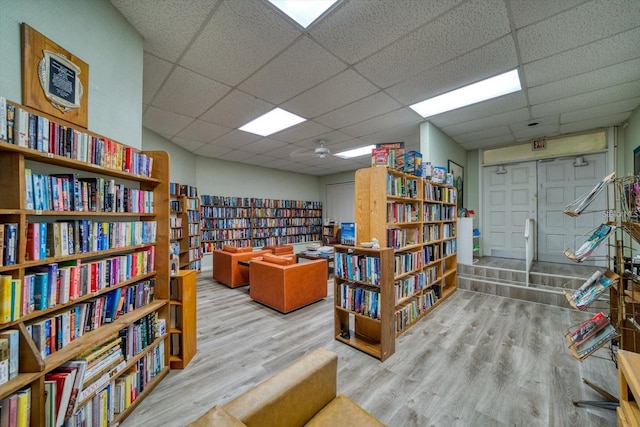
pixel 476 360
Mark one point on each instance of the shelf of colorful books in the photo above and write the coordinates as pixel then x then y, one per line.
pixel 53 175
pixel 148 388
pixel 364 299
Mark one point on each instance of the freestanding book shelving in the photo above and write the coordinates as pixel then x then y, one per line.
pixel 414 221
pixel 119 238
pixel 185 231
pixel 183 328
pixel 244 222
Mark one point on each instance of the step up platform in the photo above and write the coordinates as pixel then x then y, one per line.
pixel 547 281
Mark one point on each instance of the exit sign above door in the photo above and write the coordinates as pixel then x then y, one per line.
pixel 539 144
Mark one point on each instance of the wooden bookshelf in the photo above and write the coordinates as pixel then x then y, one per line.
pixel 183 328
pixel 253 222
pixel 371 333
pixel 415 221
pixel 629 388
pixel 185 230
pixel 194 238
pixel 225 221
pixel 119 165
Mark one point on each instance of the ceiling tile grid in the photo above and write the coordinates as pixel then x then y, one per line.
pixel 212 66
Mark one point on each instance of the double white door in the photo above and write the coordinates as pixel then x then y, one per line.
pixel 541 190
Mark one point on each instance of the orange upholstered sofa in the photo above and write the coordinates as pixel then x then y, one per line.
pixel 281 283
pixel 226 269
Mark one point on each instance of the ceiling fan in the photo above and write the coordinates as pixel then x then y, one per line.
pixel 320 152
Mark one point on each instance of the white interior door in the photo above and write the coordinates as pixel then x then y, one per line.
pixel 509 199
pixel 560 183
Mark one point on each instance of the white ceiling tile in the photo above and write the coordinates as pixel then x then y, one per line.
pixel 346 87
pixel 189 93
pixel 496 120
pixel 604 77
pixel 156 71
pixel 602 53
pixel 236 156
pixel 187 144
pixel 397 133
pixel 202 131
pixel 483 134
pixel 385 121
pixel 164 122
pixel 301 131
pixel 240 38
pixel 553 120
pixel 167 26
pixel 360 28
pixel 210 150
pixel 371 106
pixel 537 131
pixel 507 103
pixel 236 109
pixel 566 31
pixel 625 106
pixel 264 145
pixel 527 12
pixel 464 28
pixel 587 100
pixel 235 139
pixel 285 153
pixel 300 67
pixel 595 123
pixel 489 60
pixel 258 160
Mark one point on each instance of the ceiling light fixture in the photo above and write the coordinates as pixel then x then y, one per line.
pixel 303 12
pixel 356 152
pixel 493 87
pixel 272 122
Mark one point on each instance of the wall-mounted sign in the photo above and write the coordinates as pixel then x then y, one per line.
pixel 59 78
pixel 54 81
pixel 539 144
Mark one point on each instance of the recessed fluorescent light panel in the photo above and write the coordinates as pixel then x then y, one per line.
pixel 304 12
pixel 356 152
pixel 272 122
pixel 493 87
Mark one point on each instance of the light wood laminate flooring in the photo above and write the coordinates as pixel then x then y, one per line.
pixel 476 360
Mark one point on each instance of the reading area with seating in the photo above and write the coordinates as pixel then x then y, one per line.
pixel 222 213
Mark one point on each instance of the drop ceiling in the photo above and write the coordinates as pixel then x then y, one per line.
pixel 211 66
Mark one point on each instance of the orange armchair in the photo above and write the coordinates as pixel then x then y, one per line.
pixel 279 249
pixel 284 285
pixel 226 269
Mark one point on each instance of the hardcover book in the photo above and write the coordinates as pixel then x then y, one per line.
pixel 348 233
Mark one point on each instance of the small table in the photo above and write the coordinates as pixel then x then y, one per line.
pixel 328 256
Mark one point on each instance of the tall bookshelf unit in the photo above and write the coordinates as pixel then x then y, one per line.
pixel 146 242
pixel 414 221
pixel 186 238
pixel 183 327
pixel 193 258
pixel 245 222
pixel 281 222
pixel 225 221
